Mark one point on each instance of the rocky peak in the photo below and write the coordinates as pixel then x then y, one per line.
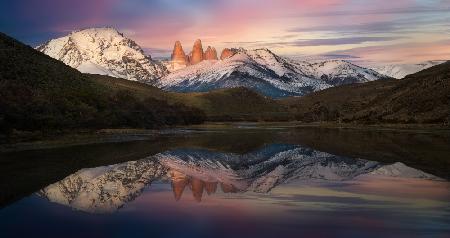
pixel 179 58
pixel 197 52
pixel 210 53
pixel 178 52
pixel 227 53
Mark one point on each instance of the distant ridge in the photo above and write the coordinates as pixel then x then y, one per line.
pixel 423 97
pixel 400 71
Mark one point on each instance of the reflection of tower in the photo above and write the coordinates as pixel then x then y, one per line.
pixel 210 187
pixel 197 186
pixel 228 188
pixel 179 182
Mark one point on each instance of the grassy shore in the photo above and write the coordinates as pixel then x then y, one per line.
pixel 27 141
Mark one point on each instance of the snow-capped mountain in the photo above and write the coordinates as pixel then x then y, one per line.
pixel 108 188
pixel 104 51
pixel 338 72
pixel 399 71
pixel 104 189
pixel 262 170
pixel 267 73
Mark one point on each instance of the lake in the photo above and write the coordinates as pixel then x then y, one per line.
pixel 238 181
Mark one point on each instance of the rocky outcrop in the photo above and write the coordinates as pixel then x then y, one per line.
pixel 179 59
pixel 197 53
pixel 227 53
pixel 210 54
pixel 178 54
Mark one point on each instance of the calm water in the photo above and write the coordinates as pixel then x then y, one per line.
pixel 242 182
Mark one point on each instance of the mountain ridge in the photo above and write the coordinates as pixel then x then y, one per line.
pixel 266 73
pixel 400 71
pixel 423 97
pixel 106 51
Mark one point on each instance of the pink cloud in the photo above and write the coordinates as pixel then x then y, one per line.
pixel 158 23
pixel 402 53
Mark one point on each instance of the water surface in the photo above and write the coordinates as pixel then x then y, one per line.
pixel 244 182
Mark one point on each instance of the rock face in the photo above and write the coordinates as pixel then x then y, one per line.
pixel 210 53
pixel 197 53
pixel 226 53
pixel 179 59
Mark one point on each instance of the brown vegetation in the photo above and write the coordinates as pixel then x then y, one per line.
pixel 423 97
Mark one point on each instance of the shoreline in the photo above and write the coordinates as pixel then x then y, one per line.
pixel 256 125
pixel 88 137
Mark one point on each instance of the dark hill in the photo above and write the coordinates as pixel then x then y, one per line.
pixel 233 104
pixel 423 97
pixel 237 104
pixel 41 93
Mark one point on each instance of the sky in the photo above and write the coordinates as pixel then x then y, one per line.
pixel 370 32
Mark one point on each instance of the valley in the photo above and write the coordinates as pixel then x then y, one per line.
pixel 240 85
pixel 227 119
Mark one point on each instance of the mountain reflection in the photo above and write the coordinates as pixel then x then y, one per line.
pixel 108 188
pixel 198 187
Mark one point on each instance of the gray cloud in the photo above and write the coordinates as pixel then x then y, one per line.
pixel 407 10
pixel 157 51
pixel 375 27
pixel 340 41
pixel 399 26
pixel 340 56
pixel 313 42
pixel 364 51
pixel 243 42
